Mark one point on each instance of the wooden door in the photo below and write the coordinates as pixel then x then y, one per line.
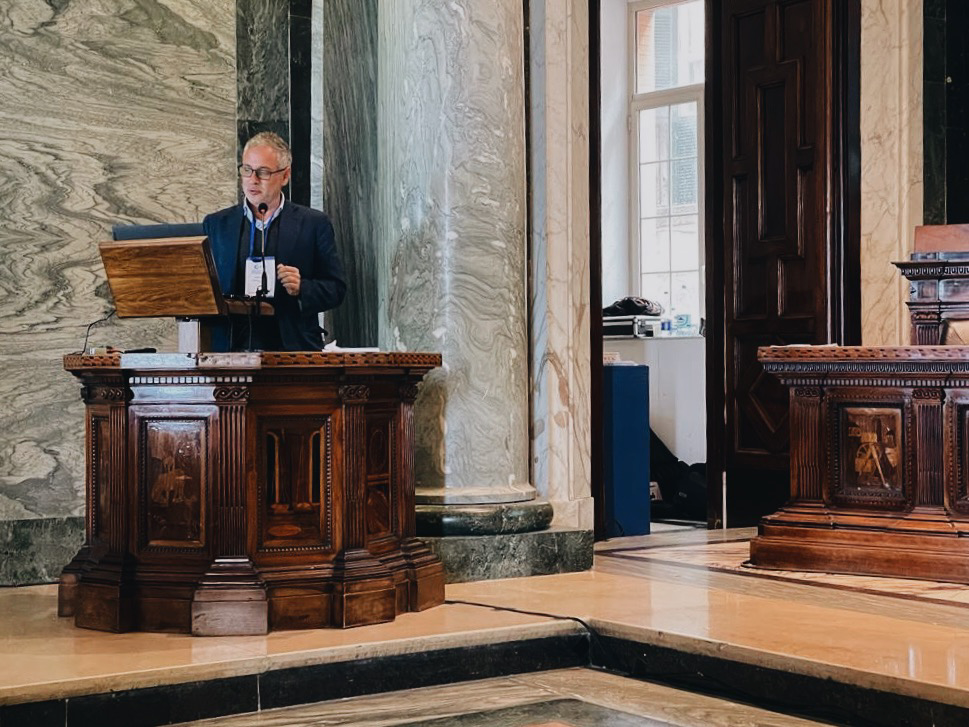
pixel 778 84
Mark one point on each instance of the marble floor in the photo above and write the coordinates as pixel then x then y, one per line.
pixel 658 607
pixel 564 697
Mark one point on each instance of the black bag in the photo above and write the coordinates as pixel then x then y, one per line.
pixel 633 306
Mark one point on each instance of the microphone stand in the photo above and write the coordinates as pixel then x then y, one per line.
pixel 263 289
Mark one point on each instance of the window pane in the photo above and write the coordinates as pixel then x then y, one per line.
pixel 655 238
pixel 669 46
pixel 654 189
pixel 684 243
pixel 654 134
pixel 683 129
pixel 683 186
pixel 685 295
pixel 656 287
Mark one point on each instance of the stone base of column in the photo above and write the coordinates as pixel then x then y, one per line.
pixel 513 555
pixel 483 518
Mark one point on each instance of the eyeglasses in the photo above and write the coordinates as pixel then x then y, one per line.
pixel 262 173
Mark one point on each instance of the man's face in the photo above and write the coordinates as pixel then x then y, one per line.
pixel 259 191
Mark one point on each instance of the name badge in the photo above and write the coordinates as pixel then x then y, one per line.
pixel 254 268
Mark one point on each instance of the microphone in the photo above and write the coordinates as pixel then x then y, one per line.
pixel 264 288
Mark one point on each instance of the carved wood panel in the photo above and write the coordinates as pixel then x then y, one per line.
pixel 957 453
pixel 380 504
pixel 173 481
pixel 295 483
pixel 870 460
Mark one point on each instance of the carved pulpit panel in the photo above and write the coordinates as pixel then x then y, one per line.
pixel 957 486
pixel 869 467
pixel 381 509
pixel 295 483
pixel 173 477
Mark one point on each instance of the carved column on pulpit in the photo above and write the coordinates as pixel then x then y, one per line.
pixel 362 581
pixel 807 416
pixel 104 599
pixel 926 326
pixel 929 470
pixel 231 597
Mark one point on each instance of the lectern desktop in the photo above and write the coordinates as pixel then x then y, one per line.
pixel 173 277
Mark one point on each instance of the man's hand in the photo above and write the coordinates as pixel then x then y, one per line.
pixel 289 277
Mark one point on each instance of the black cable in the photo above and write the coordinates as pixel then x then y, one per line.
pixel 522 611
pixel 91 325
pixel 590 632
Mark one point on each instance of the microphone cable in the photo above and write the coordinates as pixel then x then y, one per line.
pixel 91 325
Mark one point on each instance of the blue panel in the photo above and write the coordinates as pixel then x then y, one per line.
pixel 626 449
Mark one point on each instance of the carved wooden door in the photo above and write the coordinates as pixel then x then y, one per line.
pixel 782 256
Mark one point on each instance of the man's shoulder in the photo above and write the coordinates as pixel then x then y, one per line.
pixel 220 214
pixel 306 213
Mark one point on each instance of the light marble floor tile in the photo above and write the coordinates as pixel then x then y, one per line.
pixel 42 655
pixel 654 590
pixel 651 703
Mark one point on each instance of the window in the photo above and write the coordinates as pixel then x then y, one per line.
pixel 666 137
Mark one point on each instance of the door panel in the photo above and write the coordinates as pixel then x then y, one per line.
pixel 773 81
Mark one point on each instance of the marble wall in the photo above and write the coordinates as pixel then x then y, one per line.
pixel 262 58
pixel 559 258
pixel 618 279
pixel 891 161
pixel 111 111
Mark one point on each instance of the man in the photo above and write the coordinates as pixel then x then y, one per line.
pixel 293 245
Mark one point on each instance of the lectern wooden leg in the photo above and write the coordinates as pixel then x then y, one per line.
pixel 364 591
pixel 426 575
pixel 70 577
pixel 230 600
pixel 105 599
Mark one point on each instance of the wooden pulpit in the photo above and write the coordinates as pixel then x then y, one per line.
pixel 240 492
pixel 235 493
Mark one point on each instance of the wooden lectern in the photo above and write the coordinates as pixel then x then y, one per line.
pixel 234 493
pixel 172 277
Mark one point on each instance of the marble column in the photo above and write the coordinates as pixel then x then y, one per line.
pixel 559 231
pixel 451 269
pixel 891 162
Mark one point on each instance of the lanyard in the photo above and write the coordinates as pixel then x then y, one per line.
pixel 265 228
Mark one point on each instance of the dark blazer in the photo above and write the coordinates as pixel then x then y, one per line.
pixel 306 242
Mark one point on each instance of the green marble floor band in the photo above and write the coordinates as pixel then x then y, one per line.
pixel 35 551
pixel 487 557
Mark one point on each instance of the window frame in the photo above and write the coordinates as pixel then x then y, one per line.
pixel 643 102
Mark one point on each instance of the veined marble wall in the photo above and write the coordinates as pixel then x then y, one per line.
pixel 891 161
pixel 111 111
pixel 559 260
pixel 451 227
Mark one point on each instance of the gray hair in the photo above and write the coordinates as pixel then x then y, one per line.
pixel 273 141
